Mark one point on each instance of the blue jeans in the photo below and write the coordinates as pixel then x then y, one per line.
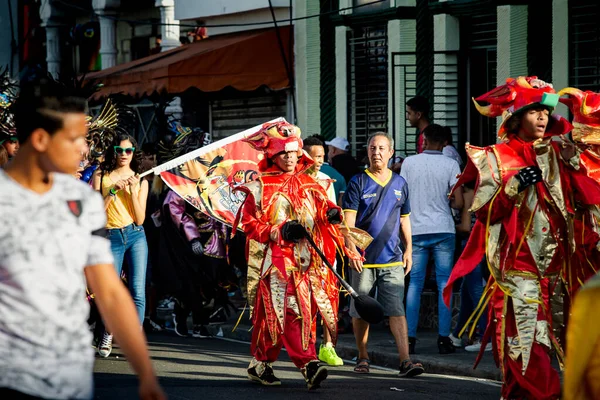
pixel 471 291
pixel 441 247
pixel 130 242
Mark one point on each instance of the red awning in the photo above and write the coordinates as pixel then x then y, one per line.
pixel 244 61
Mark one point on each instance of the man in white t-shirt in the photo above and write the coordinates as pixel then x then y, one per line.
pixel 316 150
pixel 431 176
pixel 52 241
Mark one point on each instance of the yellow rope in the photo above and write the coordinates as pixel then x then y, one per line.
pixel 481 303
pixel 483 308
pixel 240 318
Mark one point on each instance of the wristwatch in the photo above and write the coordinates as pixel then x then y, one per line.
pixel 112 191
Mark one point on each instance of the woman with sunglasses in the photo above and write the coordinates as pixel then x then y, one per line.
pixel 125 202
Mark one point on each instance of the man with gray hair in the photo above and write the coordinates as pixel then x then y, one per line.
pixel 377 201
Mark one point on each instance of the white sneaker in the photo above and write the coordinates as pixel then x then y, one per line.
pixel 477 345
pixel 105 347
pixel 456 342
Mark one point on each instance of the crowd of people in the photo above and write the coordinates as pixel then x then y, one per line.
pixel 505 224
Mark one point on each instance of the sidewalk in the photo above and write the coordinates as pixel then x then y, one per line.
pixel 382 351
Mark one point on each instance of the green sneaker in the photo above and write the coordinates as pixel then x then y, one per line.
pixel 327 355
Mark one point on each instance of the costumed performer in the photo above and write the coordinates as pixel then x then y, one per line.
pixel 523 208
pixel 192 251
pixel 9 142
pixel 287 282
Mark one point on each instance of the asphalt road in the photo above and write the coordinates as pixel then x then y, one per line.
pixel 208 369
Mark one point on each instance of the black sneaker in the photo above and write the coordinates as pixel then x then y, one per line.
pixel 200 331
pixel 445 345
pixel 412 342
pixel 267 378
pixel 180 326
pixel 314 373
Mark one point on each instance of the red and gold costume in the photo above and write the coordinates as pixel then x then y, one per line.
pixel 527 238
pixel 582 366
pixel 287 281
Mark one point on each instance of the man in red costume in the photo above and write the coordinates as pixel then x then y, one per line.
pixel 523 207
pixel 287 281
pixel 585 108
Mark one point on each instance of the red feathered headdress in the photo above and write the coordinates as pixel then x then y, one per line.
pixel 518 95
pixel 275 138
pixel 585 107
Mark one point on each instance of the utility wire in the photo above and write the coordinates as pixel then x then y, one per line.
pixel 153 23
pixel 284 59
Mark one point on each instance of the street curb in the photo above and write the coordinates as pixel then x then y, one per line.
pixel 432 364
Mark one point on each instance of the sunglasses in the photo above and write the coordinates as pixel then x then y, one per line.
pixel 120 150
pixel 12 139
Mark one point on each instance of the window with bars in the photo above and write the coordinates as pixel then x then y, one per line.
pixel 367 84
pixel 584 47
pixel 479 33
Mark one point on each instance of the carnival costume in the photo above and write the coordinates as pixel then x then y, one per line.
pixel 585 108
pixel 582 367
pixel 523 202
pixel 287 282
pixel 8 95
pixel 113 119
pixel 192 247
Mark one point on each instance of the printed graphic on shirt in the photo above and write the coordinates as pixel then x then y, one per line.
pixel 379 208
pixel 75 207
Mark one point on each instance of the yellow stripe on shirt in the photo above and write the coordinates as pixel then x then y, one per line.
pixel 394 264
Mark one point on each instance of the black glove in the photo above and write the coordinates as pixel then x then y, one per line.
pixel 528 176
pixel 334 216
pixel 197 247
pixel 292 231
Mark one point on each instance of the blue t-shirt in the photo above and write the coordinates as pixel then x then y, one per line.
pixel 379 206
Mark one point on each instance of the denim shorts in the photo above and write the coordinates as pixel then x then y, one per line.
pixel 388 281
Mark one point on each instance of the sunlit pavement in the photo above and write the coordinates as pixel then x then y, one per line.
pixel 191 368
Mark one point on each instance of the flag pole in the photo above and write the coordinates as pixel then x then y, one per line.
pixel 203 150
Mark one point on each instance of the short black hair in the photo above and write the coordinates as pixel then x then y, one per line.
pixel 419 104
pixel 312 141
pixel 42 103
pixel 448 132
pixel 435 133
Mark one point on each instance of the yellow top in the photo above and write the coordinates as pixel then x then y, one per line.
pixel 119 213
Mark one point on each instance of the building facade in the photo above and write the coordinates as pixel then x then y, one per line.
pixel 231 111
pixel 373 57
pixel 354 62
